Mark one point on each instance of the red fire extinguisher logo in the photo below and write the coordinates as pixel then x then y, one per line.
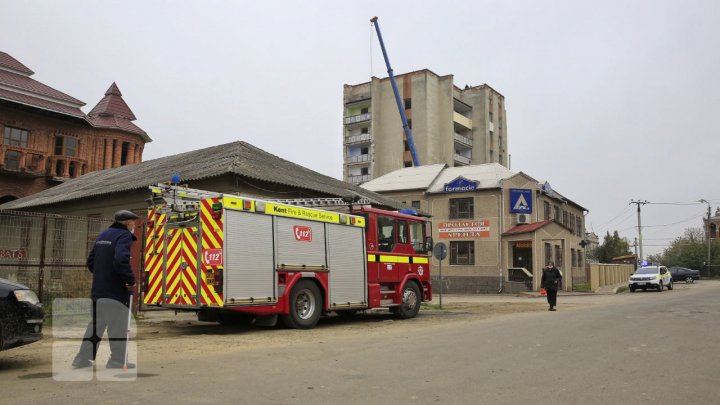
pixel 303 233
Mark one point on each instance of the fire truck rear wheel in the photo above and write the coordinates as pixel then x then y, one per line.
pixel 410 301
pixel 305 306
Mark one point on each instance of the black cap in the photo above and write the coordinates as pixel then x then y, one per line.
pixel 124 215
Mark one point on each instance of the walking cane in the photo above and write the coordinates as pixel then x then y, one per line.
pixel 127 336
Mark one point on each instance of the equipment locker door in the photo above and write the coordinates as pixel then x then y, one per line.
pixel 250 275
pixel 181 266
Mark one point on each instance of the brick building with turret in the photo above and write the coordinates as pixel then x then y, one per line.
pixel 47 138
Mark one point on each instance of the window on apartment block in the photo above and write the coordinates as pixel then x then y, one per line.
pixel 364 110
pixel 415 204
pixel 15 137
pixel 491 116
pixel 364 170
pixel 557 214
pixel 462 253
pixel 365 150
pixel 461 208
pixel 408 103
pixel 12 160
pixel 364 130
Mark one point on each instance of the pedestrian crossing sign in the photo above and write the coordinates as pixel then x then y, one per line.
pixel 521 201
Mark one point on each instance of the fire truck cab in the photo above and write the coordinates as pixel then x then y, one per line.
pixel 230 257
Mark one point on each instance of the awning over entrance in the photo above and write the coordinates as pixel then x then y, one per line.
pixel 518 229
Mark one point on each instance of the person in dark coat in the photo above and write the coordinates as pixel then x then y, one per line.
pixel 113 280
pixel 551 281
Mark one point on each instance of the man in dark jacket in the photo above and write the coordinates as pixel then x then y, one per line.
pixel 113 279
pixel 551 281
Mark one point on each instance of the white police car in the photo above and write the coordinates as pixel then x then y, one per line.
pixel 655 277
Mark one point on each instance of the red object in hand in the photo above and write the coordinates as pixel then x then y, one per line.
pixel 543 292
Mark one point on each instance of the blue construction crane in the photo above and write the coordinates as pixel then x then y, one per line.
pixel 401 108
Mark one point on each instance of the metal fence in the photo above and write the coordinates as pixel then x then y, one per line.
pixel 47 252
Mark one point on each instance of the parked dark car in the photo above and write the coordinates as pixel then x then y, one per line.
pixel 684 274
pixel 21 315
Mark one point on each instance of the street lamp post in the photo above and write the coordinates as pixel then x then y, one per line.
pixel 707 234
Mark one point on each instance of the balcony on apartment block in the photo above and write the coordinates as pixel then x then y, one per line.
pixel 461 159
pixel 358 159
pixel 354 119
pixel 361 178
pixel 357 138
pixel 463 140
pixel 462 120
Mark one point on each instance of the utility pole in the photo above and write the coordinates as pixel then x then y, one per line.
pixel 640 240
pixel 707 234
pixel 635 245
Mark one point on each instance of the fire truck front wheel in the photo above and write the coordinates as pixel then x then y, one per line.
pixel 305 304
pixel 410 301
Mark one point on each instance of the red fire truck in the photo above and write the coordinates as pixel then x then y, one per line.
pixel 230 257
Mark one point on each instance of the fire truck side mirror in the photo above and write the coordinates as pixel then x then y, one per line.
pixel 428 244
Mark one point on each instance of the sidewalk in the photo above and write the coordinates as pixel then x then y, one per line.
pixel 478 298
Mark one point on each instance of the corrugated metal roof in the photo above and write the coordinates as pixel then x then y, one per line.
pixel 238 158
pixel 409 178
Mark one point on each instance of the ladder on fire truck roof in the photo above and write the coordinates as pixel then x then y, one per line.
pixel 303 202
pixel 322 202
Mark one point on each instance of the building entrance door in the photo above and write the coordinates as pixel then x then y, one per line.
pixel 522 257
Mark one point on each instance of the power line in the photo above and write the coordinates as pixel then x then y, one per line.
pixel 628 208
pixel 663 225
pixel 674 223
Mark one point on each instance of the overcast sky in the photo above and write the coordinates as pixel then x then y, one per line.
pixel 608 101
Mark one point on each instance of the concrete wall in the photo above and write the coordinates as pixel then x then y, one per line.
pixel 609 274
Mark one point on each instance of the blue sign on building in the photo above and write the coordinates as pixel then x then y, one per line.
pixel 521 200
pixel 460 185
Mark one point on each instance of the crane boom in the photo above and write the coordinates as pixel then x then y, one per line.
pixel 401 108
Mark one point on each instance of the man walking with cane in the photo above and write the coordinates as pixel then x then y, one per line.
pixel 113 281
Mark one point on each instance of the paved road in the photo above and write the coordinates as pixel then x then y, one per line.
pixel 658 348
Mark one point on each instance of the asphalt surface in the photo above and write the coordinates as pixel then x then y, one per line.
pixel 645 347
